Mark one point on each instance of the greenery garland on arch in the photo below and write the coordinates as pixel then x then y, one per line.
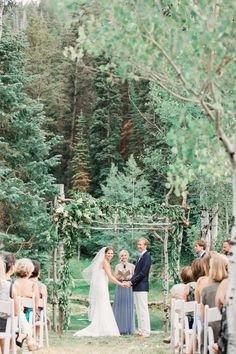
pixel 73 219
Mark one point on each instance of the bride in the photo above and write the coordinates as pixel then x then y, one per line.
pixel 102 319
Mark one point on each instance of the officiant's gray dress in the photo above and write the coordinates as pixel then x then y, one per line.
pixel 123 306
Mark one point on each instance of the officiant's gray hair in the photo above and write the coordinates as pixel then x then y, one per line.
pixel 124 251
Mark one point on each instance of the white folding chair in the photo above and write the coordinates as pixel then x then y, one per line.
pixel 198 328
pixel 177 325
pixel 43 323
pixel 190 307
pixel 30 303
pixel 7 307
pixel 210 315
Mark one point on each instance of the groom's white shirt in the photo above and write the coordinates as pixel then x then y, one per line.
pixel 141 254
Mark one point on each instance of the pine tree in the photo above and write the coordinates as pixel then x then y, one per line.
pixel 128 187
pixel 60 83
pixel 140 114
pixel 105 127
pixel 80 161
pixel 26 183
pixel 44 56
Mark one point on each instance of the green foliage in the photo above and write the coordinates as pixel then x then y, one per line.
pixel 133 35
pixel 176 47
pixel 105 128
pixel 80 161
pixel 26 183
pixel 127 188
pixel 197 154
pixel 71 222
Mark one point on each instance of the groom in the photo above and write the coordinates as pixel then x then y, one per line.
pixel 139 282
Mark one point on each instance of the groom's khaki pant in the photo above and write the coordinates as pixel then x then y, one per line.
pixel 141 304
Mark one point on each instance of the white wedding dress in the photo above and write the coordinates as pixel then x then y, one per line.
pixel 101 315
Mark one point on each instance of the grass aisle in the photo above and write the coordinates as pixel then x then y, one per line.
pixel 67 344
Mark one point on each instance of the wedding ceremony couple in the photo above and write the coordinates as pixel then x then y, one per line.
pixel 131 292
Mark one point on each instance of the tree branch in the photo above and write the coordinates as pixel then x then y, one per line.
pixel 142 115
pixel 158 237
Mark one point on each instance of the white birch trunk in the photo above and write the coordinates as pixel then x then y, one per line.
pixel 62 265
pixel 231 310
pixel 214 227
pixel 166 268
pixel 166 281
pixel 205 232
pixel 55 278
pixel 54 306
pixel 180 241
pixel 1 16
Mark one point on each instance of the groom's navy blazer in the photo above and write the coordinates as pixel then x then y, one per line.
pixel 139 280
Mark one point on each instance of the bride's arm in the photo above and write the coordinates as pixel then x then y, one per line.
pixel 107 268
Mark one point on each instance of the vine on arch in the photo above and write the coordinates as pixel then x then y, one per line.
pixel 71 221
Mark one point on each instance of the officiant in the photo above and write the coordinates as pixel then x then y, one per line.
pixel 123 306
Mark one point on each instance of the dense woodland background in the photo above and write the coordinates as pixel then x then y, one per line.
pixel 124 142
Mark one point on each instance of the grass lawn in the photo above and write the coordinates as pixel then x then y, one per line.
pixel 67 344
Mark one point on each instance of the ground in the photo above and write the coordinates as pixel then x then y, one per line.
pixel 67 344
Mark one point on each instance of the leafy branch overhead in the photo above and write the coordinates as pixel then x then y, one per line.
pixel 186 48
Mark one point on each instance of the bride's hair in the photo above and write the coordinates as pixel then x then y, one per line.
pixel 109 248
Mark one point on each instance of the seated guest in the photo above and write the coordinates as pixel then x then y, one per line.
pixel 201 276
pixel 221 346
pixel 35 278
pixel 6 293
pixel 181 291
pixel 26 288
pixel 217 273
pixel 43 294
pixel 123 306
pixel 10 261
pixel 200 248
pixel 203 279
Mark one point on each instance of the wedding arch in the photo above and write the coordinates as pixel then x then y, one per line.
pixel 76 218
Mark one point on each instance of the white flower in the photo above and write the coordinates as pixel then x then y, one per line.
pixel 60 209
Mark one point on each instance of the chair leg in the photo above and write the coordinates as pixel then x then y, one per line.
pixel 7 338
pixel 41 328
pixel 46 331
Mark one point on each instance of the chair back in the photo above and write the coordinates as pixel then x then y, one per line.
pixel 210 315
pixel 190 307
pixel 177 324
pixel 29 303
pixel 43 323
pixel 7 308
